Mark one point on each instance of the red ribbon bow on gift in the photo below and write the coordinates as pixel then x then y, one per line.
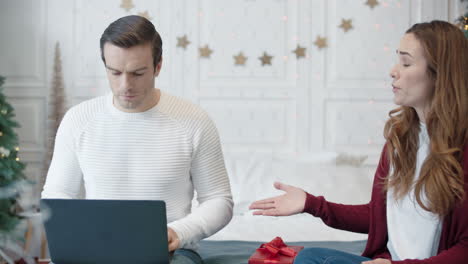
pixel 277 246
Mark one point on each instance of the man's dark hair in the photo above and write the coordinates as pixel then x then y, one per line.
pixel 131 31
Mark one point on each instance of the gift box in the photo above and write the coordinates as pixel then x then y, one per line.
pixel 38 261
pixel 276 252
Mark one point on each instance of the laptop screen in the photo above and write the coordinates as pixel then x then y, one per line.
pixel 106 231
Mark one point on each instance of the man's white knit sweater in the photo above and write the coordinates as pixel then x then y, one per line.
pixel 160 154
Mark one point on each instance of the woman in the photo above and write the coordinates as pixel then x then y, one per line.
pixel 418 211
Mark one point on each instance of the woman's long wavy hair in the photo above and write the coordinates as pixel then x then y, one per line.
pixel 441 180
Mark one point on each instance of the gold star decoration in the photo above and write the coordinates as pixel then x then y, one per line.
pixel 205 52
pixel 182 42
pixel 300 52
pixel 266 59
pixel 321 42
pixel 240 59
pixel 372 3
pixel 145 15
pixel 346 24
pixel 127 5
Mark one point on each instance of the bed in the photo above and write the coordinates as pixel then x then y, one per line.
pixel 340 178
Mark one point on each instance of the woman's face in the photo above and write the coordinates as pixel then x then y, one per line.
pixel 411 84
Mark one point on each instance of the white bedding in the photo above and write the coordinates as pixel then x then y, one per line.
pixel 293 228
pixel 339 180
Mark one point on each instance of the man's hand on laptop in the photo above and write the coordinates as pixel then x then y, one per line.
pixel 173 239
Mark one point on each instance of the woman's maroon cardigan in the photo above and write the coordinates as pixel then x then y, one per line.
pixel 371 219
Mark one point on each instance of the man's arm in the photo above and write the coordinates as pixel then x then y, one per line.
pixel 64 175
pixel 211 183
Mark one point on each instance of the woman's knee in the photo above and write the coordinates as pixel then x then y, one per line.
pixel 327 256
pixel 313 255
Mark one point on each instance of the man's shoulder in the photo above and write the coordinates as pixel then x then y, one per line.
pixel 182 109
pixel 91 104
pixel 86 110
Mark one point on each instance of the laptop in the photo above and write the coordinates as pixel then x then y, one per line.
pixel 106 231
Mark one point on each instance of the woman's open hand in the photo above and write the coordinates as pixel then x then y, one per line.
pixel 292 202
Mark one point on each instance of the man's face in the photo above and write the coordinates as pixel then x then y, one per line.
pixel 131 76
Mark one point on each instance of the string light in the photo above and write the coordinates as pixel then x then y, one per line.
pixel 1 133
pixel 17 148
pixel 17 159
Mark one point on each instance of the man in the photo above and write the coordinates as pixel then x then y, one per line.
pixel 141 143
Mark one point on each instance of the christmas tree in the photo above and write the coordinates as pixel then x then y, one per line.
pixel 11 171
pixel 463 20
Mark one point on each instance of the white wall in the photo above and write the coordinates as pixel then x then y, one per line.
pixel 334 100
